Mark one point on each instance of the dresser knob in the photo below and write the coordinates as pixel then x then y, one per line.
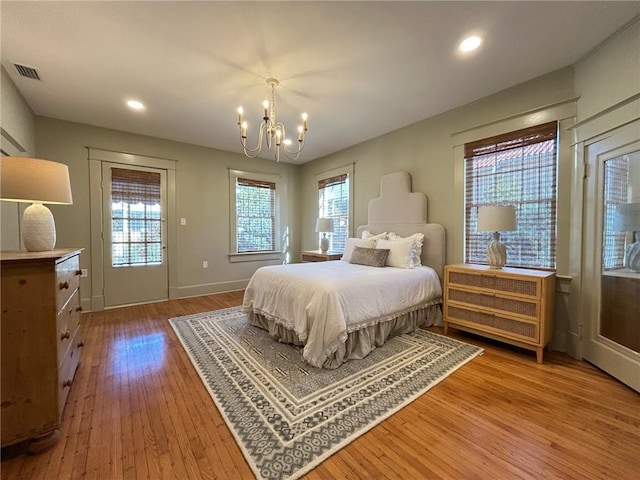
pixel 79 308
pixel 64 285
pixel 65 335
pixel 66 383
pixel 78 272
pixel 80 344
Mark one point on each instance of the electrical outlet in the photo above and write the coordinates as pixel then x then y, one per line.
pixel 85 273
pixel 183 221
pixel 205 264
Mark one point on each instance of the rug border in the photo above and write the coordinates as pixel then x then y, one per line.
pixel 339 446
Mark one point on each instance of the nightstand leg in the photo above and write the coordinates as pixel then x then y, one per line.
pixel 539 351
pixel 445 328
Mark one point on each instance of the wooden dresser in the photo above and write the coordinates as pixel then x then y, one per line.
pixel 513 305
pixel 40 342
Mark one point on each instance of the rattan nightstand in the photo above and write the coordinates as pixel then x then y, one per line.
pixel 318 256
pixel 512 305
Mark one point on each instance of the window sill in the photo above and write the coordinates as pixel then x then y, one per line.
pixel 254 257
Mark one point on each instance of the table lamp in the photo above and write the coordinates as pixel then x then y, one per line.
pixel 324 226
pixel 38 181
pixel 496 219
pixel 626 218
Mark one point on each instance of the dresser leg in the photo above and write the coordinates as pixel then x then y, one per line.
pixel 44 442
pixel 445 328
pixel 539 351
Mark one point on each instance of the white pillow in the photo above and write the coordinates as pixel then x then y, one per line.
pixel 418 239
pixel 367 235
pixel 400 252
pixel 353 243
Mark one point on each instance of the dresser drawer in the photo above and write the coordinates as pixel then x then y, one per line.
pixel 509 305
pixel 494 323
pixel 67 323
pixel 68 370
pixel 67 280
pixel 524 287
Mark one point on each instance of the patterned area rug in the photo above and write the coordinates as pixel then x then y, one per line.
pixel 287 416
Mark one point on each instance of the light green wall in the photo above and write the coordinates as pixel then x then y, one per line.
pixel 425 150
pixel 202 193
pixel 16 116
pixel 610 73
pixel 18 137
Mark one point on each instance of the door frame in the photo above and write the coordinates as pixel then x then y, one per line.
pixel 617 360
pixel 96 157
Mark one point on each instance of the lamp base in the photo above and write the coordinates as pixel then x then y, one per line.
pixel 496 252
pixel 324 244
pixel 632 256
pixel 38 228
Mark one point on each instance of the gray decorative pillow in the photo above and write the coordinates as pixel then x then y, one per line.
pixel 373 257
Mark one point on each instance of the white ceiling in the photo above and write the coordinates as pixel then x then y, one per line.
pixel 360 69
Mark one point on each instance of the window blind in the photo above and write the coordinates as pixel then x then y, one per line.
pixel 616 180
pixel 333 200
pixel 136 218
pixel 256 220
pixel 519 169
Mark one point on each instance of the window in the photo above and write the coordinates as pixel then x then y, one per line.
pixel 519 169
pixel 333 200
pixel 255 210
pixel 256 217
pixel 616 181
pixel 136 218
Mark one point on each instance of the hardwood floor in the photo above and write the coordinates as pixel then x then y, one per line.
pixel 137 409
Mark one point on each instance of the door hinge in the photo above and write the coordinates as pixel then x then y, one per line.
pixel 587 170
pixel 579 330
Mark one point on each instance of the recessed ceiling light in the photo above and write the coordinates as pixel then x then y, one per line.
pixel 470 43
pixel 135 104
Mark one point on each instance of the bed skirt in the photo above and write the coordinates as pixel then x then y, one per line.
pixel 360 342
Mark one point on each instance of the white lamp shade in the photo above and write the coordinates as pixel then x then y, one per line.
pixel 324 225
pixel 626 218
pixel 39 181
pixel 33 180
pixel 496 218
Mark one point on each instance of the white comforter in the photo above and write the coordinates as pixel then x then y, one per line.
pixel 323 302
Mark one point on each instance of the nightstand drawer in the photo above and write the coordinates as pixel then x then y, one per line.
pixel 508 305
pixel 495 323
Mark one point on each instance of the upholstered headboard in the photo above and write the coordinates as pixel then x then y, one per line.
pixel 400 210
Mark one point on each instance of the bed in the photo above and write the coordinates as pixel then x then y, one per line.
pixel 338 310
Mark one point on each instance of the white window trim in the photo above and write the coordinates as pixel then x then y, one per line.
pixel 234 256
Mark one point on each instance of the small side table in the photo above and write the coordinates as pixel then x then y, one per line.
pixel 318 256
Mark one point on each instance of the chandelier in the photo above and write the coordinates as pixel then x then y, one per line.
pixel 271 130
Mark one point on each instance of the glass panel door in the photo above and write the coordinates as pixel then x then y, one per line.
pixel 620 282
pixel 611 255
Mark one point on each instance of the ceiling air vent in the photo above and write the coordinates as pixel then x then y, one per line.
pixel 27 71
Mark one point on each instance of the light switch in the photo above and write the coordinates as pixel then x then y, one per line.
pixel 183 221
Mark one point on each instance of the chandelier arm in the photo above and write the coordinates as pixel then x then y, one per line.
pixel 254 152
